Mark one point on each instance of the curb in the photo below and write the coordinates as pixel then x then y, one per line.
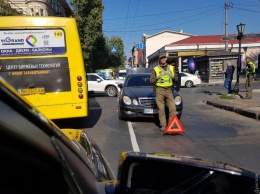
pixel 241 111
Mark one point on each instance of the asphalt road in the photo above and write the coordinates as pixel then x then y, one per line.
pixel 210 133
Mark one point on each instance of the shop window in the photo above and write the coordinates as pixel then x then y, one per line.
pixel 216 69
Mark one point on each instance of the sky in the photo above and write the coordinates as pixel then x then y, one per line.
pixel 130 19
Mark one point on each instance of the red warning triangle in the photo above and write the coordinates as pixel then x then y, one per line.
pixel 174 126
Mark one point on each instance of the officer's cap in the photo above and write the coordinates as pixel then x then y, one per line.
pixel 161 55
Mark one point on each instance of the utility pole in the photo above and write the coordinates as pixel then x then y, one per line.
pixel 227 5
pixel 226 24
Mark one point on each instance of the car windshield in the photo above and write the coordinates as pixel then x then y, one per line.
pixel 138 80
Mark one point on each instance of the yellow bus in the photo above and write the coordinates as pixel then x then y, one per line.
pixel 41 57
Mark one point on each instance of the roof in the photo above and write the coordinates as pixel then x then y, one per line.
pixel 211 39
pixel 168 31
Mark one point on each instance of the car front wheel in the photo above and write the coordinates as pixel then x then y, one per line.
pixel 189 84
pixel 111 91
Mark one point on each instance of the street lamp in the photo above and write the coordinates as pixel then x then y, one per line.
pixel 240 30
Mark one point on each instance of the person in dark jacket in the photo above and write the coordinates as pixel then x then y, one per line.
pixel 229 77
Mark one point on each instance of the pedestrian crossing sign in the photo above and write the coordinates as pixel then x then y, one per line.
pixel 114 49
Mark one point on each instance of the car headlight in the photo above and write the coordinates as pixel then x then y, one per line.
pixel 126 100
pixel 118 83
pixel 177 100
pixel 135 102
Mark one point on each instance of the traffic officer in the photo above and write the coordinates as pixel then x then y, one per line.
pixel 163 77
pixel 250 71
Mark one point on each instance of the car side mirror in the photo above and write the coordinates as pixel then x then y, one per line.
pixel 98 80
pixel 168 173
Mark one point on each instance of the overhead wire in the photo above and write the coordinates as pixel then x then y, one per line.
pixel 127 13
pixel 138 27
pixel 160 14
pixel 192 16
pixel 132 23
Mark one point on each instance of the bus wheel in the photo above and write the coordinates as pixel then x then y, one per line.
pixel 111 91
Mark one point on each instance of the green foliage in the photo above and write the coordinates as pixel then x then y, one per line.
pixel 6 10
pixel 228 97
pixel 88 14
pixel 95 47
pixel 115 59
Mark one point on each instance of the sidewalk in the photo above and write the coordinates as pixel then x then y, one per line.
pixel 246 107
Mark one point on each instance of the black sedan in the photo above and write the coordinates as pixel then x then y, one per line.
pixel 137 98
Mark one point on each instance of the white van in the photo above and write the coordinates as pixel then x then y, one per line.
pixel 122 74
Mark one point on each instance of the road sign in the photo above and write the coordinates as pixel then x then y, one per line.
pixel 139 45
pixel 251 36
pixel 114 49
pixel 224 38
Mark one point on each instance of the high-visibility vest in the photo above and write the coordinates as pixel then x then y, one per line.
pixel 164 77
pixel 254 67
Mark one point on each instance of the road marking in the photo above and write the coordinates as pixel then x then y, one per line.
pixel 133 138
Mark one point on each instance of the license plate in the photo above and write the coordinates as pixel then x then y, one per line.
pixel 148 111
pixel 30 91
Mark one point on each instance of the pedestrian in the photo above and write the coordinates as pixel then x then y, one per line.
pixel 250 71
pixel 163 77
pixel 229 77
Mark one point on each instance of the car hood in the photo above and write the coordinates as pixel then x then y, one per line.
pixel 142 91
pixel 139 91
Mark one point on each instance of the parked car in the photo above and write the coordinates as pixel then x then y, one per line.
pixel 189 80
pixel 99 84
pixel 137 98
pixel 38 157
pixel 122 74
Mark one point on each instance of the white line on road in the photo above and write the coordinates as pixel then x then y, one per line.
pixel 133 138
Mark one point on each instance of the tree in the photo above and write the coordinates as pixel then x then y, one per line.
pixel 6 10
pixel 115 59
pixel 88 14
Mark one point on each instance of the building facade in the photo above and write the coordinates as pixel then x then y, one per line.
pixel 183 51
pixel 153 43
pixel 42 7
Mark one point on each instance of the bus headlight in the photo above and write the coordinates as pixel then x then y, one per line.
pixel 177 100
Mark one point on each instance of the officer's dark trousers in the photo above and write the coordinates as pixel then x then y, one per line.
pixel 249 86
pixel 163 94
